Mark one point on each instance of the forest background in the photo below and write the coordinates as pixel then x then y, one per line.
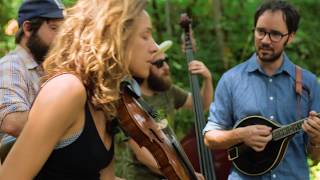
pixel 223 35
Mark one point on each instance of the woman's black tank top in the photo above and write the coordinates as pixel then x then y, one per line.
pixel 81 160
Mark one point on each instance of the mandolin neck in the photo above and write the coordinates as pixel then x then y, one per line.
pixel 288 130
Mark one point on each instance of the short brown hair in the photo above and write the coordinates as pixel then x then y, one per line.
pixel 35 24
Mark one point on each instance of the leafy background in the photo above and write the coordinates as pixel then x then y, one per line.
pixel 222 30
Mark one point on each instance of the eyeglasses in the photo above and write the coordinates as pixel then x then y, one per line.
pixel 160 62
pixel 275 36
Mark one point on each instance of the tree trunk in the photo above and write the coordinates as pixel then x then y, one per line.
pixel 155 15
pixel 168 17
pixel 219 32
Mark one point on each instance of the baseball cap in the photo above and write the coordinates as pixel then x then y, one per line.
pixel 164 46
pixel 29 9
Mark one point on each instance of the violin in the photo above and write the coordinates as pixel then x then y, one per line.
pixel 137 120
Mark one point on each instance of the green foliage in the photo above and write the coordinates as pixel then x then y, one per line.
pixel 68 3
pixel 8 10
pixel 236 24
pixel 314 170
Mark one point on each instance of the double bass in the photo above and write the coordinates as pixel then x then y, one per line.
pixel 136 119
pixel 212 168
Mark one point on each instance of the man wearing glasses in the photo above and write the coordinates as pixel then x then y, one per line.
pixel 264 85
pixel 159 92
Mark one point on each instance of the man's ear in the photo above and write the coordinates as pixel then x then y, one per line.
pixel 291 37
pixel 26 26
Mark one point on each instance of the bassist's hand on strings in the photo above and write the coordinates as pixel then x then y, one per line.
pixel 197 67
pixel 312 127
pixel 256 136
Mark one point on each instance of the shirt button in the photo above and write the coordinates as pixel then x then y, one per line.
pixel 271 98
pixel 272 117
pixel 274 176
pixel 270 80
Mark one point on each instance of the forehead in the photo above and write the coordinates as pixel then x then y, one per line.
pixel 272 20
pixel 143 22
pixel 55 21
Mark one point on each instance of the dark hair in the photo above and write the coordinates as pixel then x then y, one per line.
pixel 34 27
pixel 290 14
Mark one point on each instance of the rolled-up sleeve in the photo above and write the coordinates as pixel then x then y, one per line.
pixel 220 115
pixel 13 89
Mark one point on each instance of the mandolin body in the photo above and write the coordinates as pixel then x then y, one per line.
pixel 253 163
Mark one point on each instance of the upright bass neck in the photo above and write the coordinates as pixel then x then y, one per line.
pixel 205 156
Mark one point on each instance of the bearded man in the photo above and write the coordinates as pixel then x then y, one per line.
pixel 20 70
pixel 165 97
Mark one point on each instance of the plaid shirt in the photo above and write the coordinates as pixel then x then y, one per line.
pixel 19 82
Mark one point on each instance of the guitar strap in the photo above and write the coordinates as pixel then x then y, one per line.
pixel 298 89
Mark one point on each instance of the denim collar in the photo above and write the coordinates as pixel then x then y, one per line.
pixel 287 66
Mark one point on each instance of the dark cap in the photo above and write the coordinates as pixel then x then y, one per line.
pixel 51 9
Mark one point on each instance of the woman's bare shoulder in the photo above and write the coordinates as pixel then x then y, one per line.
pixel 66 86
pixel 60 102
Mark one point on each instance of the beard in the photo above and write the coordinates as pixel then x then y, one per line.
pixel 270 56
pixel 157 83
pixel 37 47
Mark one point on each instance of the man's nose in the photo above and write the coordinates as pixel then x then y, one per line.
pixel 266 38
pixel 166 65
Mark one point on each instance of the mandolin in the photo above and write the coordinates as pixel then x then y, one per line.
pixel 253 163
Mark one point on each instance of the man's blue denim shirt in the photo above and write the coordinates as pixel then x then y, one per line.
pixel 247 90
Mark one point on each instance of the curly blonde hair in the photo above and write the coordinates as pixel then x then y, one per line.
pixel 92 44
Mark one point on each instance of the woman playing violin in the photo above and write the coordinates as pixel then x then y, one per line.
pixel 66 135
